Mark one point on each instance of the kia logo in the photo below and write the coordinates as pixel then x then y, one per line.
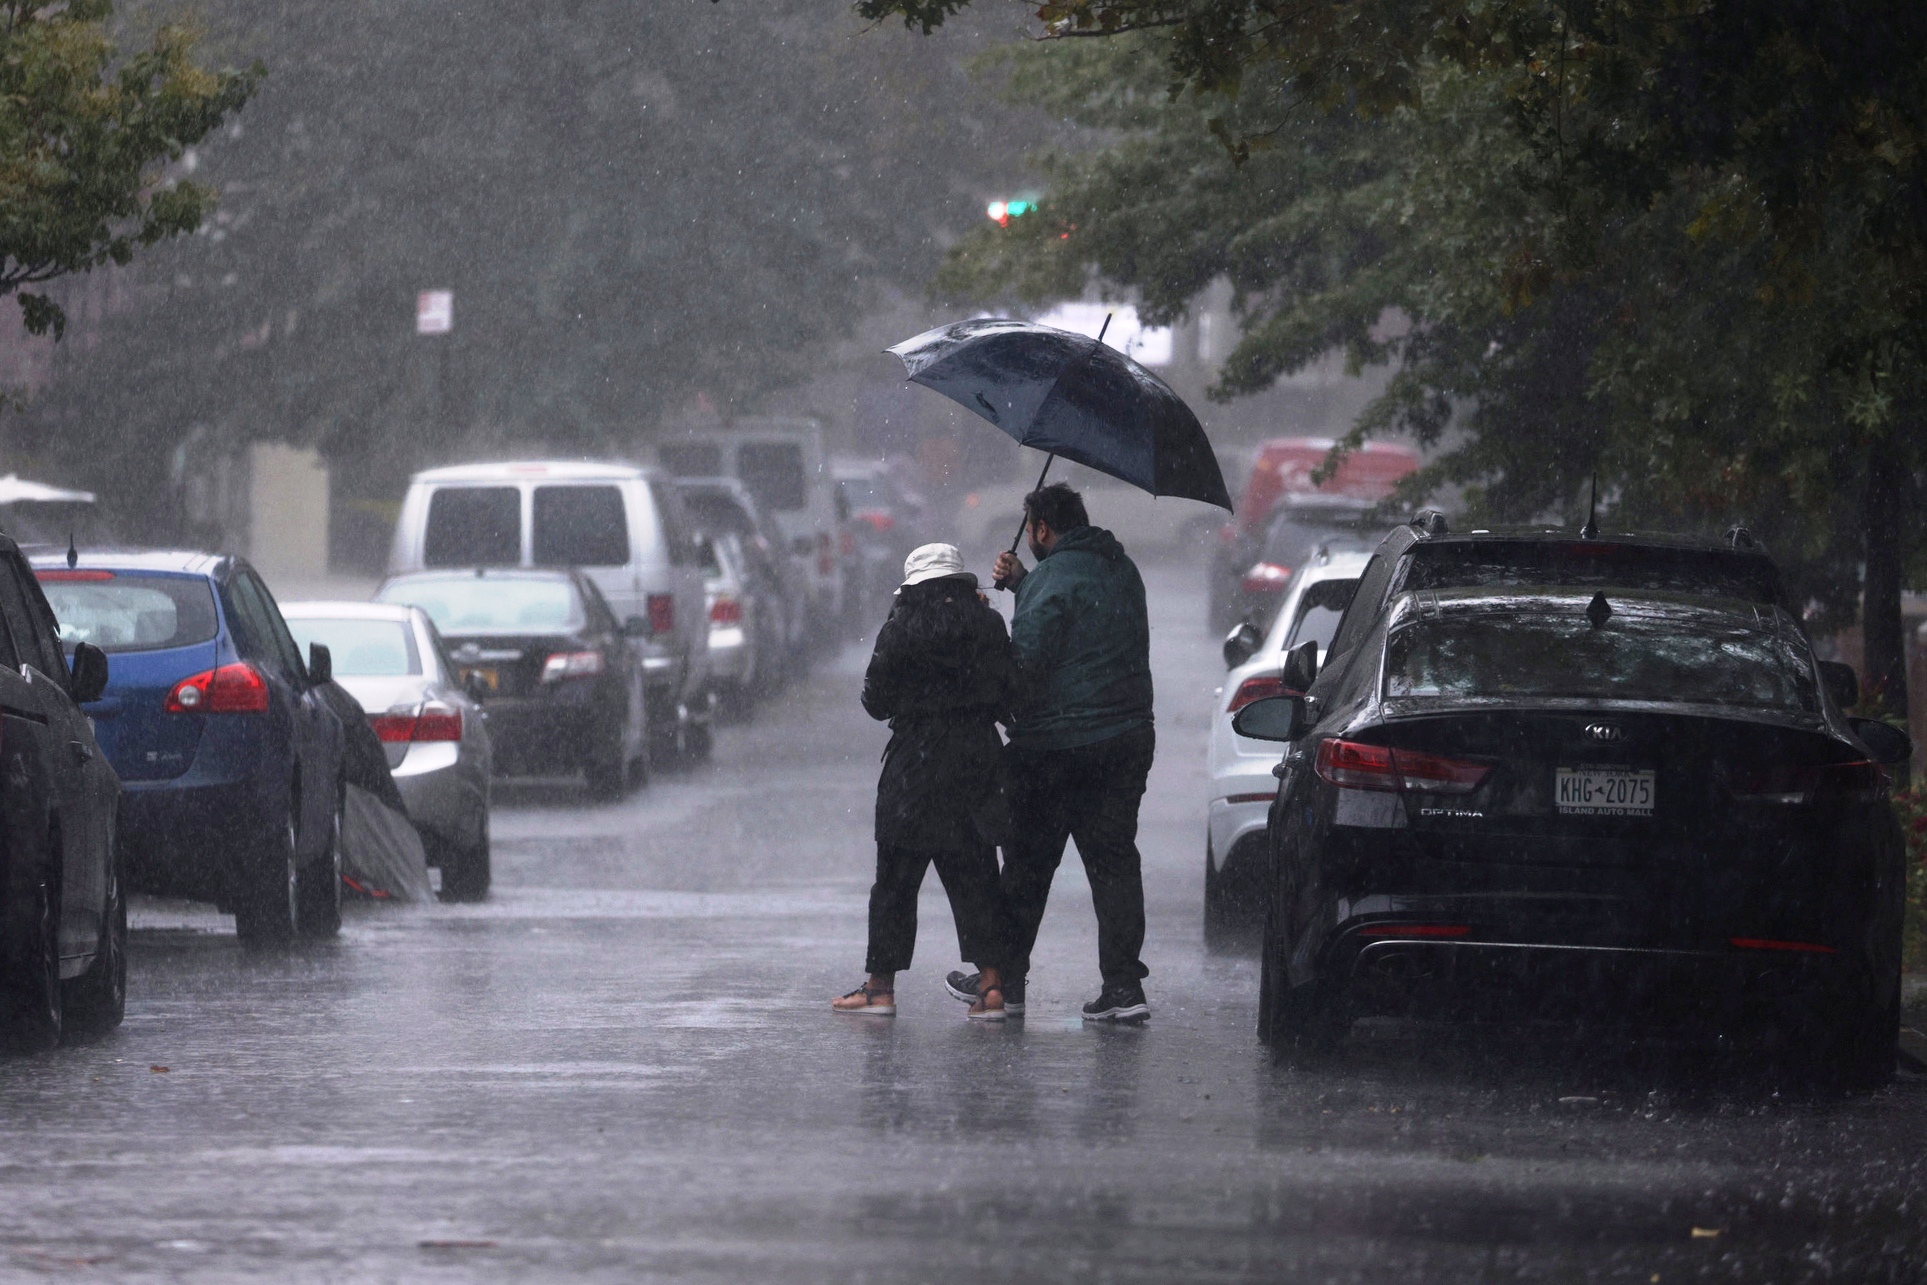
pixel 1605 732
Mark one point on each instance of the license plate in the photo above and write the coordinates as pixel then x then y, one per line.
pixel 1603 792
pixel 490 679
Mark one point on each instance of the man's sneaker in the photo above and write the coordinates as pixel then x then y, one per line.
pixel 963 988
pixel 1118 1004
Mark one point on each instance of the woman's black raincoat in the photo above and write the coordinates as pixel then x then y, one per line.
pixel 943 677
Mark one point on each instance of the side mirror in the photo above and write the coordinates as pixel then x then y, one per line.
pixel 321 664
pixel 1274 718
pixel 1301 666
pixel 1241 644
pixel 90 673
pixel 1888 743
pixel 636 627
pixel 1841 683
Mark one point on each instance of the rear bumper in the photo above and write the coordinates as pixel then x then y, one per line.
pixel 194 838
pixel 562 733
pixel 444 793
pixel 729 654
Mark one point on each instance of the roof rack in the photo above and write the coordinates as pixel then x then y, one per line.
pixel 1429 523
pixel 1741 538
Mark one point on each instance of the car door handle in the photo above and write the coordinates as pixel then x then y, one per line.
pixel 82 755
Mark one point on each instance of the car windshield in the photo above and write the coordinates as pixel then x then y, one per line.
pixel 486 604
pixel 1639 655
pixel 120 612
pixel 1591 565
pixel 362 648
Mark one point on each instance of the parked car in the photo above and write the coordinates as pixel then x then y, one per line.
pixel 745 626
pixel 1558 803
pixel 390 658
pixel 785 465
pixel 724 506
pixel 884 524
pixel 1281 475
pixel 63 902
pixel 1242 786
pixel 553 666
pixel 1298 530
pixel 229 755
pixel 622 526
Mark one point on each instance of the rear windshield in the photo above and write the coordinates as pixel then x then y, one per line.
pixel 362 648
pixel 773 472
pixel 692 459
pixel 711 512
pixel 118 612
pixel 473 526
pixel 580 526
pixel 482 605
pixel 1699 659
pixel 1591 565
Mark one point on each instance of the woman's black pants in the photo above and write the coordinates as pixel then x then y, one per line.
pixel 969 877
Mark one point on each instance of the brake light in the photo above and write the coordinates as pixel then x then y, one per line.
pixel 68 577
pixel 725 611
pixel 1802 947
pixel 1353 765
pixel 1861 781
pixel 572 664
pixel 1265 577
pixel 878 520
pixel 431 723
pixel 231 689
pixel 1257 687
pixel 662 613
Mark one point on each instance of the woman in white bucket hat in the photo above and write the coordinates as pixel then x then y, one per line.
pixel 942 675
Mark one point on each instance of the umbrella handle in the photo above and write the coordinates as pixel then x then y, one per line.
pixel 1023 523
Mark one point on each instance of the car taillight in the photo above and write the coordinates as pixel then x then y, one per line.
pixel 1255 688
pixel 662 613
pixel 725 611
pixel 430 723
pixel 877 520
pixel 231 689
pixel 572 664
pixel 1353 765
pixel 65 577
pixel 1860 781
pixel 1265 577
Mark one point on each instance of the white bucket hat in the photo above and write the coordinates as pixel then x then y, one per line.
pixel 934 562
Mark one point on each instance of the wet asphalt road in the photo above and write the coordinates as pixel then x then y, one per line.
pixel 623 1067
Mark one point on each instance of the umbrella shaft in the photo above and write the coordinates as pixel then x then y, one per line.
pixel 1024 522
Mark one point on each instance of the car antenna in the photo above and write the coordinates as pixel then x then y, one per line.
pixel 1599 611
pixel 1590 531
pixel 73 554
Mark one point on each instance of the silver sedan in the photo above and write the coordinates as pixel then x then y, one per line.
pixel 390 658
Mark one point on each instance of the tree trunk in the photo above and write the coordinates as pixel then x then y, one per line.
pixel 1885 661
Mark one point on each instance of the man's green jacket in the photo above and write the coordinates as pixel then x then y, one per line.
pixel 1083 644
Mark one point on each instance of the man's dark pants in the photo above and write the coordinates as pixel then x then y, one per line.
pixel 1089 793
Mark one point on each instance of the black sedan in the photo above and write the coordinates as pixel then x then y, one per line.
pixel 1524 803
pixel 558 675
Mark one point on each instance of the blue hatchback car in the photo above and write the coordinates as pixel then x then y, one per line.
pixel 228 754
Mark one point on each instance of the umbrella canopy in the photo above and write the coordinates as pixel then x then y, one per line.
pixel 1072 396
pixel 14 489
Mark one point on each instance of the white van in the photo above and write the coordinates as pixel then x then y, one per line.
pixel 786 466
pixel 621 524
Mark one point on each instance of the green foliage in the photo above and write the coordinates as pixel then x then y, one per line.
pixel 85 129
pixel 1911 807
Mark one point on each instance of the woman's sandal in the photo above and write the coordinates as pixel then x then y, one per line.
pixel 981 1011
pixel 868 995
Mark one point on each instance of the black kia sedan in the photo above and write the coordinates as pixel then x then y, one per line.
pixel 559 677
pixel 1560 804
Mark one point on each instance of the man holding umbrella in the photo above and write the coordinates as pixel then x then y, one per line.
pixel 1081 745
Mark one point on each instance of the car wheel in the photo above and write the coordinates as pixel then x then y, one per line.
pixel 1869 1043
pixel 266 909
pixel 318 894
pixel 97 1000
pixel 32 997
pixel 607 774
pixel 465 869
pixel 1217 916
pixel 698 741
pixel 1304 1023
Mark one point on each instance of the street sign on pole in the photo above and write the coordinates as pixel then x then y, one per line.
pixel 434 312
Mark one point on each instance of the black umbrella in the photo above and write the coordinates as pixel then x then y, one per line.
pixel 1070 395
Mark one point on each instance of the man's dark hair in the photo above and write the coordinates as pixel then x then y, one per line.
pixel 1057 507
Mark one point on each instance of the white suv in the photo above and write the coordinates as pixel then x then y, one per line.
pixel 1242 784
